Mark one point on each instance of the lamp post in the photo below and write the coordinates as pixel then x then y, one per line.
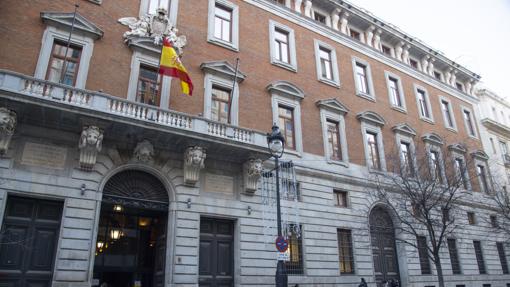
pixel 276 145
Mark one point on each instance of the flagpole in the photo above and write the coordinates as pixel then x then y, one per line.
pixel 232 92
pixel 69 44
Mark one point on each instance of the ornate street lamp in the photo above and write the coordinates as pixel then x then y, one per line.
pixel 276 145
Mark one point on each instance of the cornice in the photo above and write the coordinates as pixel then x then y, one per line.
pixel 345 40
pixel 492 125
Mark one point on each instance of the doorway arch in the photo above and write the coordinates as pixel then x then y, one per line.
pixel 132 231
pixel 384 252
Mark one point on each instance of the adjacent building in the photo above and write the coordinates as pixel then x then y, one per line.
pixel 109 174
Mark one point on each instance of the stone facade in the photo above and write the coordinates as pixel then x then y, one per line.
pixel 65 143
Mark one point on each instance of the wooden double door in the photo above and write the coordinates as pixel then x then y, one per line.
pixel 216 266
pixel 29 237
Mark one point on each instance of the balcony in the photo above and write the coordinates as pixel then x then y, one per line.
pixel 18 90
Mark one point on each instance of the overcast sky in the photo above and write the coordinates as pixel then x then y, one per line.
pixel 474 33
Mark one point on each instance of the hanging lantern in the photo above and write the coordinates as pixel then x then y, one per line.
pixel 115 234
pixel 118 208
pixel 100 244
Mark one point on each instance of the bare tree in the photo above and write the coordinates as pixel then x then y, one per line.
pixel 424 191
pixel 502 199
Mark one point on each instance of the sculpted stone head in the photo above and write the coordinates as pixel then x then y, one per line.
pixel 254 167
pixel 195 156
pixel 7 121
pixel 144 151
pixel 91 136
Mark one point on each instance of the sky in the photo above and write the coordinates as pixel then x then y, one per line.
pixel 473 33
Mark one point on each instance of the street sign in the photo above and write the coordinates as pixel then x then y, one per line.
pixel 281 244
pixel 283 256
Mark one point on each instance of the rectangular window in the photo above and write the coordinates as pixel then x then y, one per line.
pixel 223 23
pixel 459 86
pixel 319 17
pixel 493 220
pixel 326 64
pixel 286 123
pixel 423 104
pixel 59 73
pixel 436 165
pixel 471 218
pixel 460 170
pixel 362 80
pixel 149 86
pixel 340 198
pixel 504 150
pixel 423 254
pixel 295 264
pixel 413 63
pixel 479 256
pixel 502 257
pixel 454 256
pixel 482 177
pixel 407 158
pixel 447 114
pixel 469 123
pixel 396 98
pixel 220 104
pixel 386 50
pixel 291 189
pixel 373 151
pixel 281 45
pixel 356 35
pixel 437 75
pixel 334 149
pixel 153 5
pixel 346 257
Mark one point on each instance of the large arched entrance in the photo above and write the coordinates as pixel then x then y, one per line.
pixel 131 240
pixel 384 251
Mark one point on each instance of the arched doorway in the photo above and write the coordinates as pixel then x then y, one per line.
pixel 384 251
pixel 131 240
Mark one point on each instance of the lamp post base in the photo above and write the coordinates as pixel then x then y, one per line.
pixel 281 275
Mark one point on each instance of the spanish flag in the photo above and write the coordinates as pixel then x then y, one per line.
pixel 171 65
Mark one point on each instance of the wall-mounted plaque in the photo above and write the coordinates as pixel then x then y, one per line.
pixel 219 183
pixel 43 155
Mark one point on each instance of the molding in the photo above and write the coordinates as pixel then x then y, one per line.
pixel 332 105
pixel 222 69
pixel 65 20
pixel 144 44
pixel 458 148
pixel 497 127
pixel 404 129
pixel 371 117
pixel 480 154
pixel 292 65
pixel 286 89
pixel 432 138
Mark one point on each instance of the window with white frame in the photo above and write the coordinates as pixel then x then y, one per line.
pixel 363 78
pixel 326 63
pixel 333 129
pixel 319 17
pixel 436 168
pixel 504 151
pixel 371 124
pixel 286 108
pixel 407 159
pixel 423 102
pixel 223 24
pixel 152 5
pixel 438 75
pixel 483 180
pixel 447 111
pixel 62 64
pixel 220 104
pixel 282 46
pixel 461 172
pixel 433 145
pixel 149 86
pixel 395 91
pixel 404 137
pixel 469 121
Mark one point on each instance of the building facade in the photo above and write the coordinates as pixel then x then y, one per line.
pixel 109 174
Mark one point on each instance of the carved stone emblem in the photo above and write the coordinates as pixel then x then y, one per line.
pixel 252 170
pixel 7 126
pixel 91 141
pixel 194 158
pixel 144 151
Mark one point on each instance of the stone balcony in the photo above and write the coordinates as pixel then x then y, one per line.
pixel 18 90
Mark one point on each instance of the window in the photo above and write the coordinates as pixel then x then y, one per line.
pixel 282 46
pixel 502 257
pixel 386 50
pixel 223 24
pixel 471 218
pixel 355 34
pixel 421 242
pixel 448 117
pixel 468 121
pixel 362 80
pixel 437 75
pixel 291 190
pixel 220 104
pixel 459 86
pixel 461 172
pixel 295 264
pixel 286 124
pixel 454 257
pixel 326 63
pixel 413 63
pixel 64 63
pixel 340 198
pixel 395 91
pixel 479 256
pixel 437 168
pixel 482 178
pixel 153 5
pixel 319 17
pixel 494 221
pixel 494 114
pixel 149 86
pixel 422 99
pixel 373 150
pixel 493 145
pixel 504 150
pixel 346 257
pixel 334 148
pixel 407 158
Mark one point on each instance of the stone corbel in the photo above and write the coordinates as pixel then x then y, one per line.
pixel 335 18
pixel 308 8
pixel 194 158
pixel 453 80
pixel 405 54
pixel 425 63
pixel 7 126
pixel 430 70
pixel 144 152
pixel 377 40
pixel 369 35
pixel 297 5
pixel 252 171
pixel 344 23
pixel 448 76
pixel 90 144
pixel 399 50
